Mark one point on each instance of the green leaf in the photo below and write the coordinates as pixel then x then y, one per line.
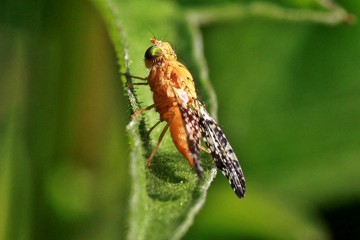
pixel 166 197
pixel 288 90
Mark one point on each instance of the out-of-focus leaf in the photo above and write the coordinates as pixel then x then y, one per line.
pixel 290 93
pixel 288 102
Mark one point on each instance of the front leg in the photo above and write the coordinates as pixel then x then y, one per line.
pixel 140 111
pixel 127 75
pixel 131 84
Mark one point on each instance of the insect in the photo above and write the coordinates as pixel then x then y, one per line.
pixel 176 101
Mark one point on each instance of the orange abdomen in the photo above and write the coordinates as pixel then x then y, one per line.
pixel 178 134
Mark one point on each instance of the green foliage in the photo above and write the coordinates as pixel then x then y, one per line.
pixel 168 195
pixel 287 88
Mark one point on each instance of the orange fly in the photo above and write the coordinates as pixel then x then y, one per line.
pixel 176 101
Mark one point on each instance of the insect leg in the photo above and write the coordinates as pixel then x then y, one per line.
pixel 131 84
pixel 140 111
pixel 148 161
pixel 135 77
pixel 152 128
pixel 205 149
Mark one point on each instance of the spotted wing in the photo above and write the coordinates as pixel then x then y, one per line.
pixel 222 152
pixel 193 135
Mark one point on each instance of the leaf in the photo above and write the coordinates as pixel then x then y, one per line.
pixel 166 197
pixel 289 94
pixel 158 193
pixel 287 81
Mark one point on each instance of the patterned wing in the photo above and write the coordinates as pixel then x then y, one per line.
pixel 222 152
pixel 193 135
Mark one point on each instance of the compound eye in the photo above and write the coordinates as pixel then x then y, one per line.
pixel 153 52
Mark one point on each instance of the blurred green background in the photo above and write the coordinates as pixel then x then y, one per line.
pixel 288 96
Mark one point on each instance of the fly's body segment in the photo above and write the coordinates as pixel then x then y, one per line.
pixel 176 101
